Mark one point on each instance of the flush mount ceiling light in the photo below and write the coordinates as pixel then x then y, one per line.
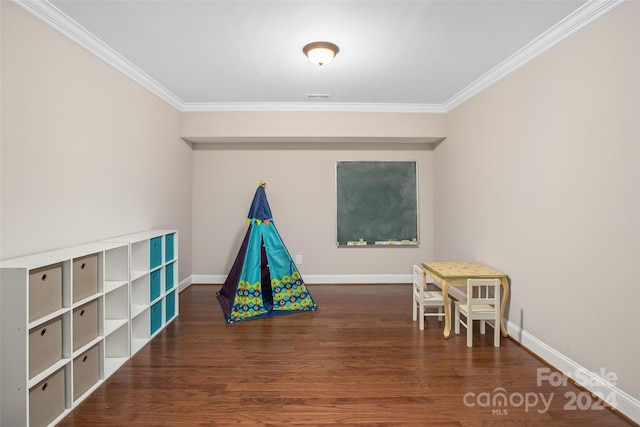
pixel 320 53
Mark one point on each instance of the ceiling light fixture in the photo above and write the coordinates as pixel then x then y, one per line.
pixel 320 53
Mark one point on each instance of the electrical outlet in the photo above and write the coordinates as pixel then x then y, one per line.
pixel 298 259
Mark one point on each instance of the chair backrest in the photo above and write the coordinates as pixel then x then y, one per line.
pixel 483 291
pixel 418 281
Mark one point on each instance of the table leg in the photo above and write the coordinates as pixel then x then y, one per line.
pixel 504 282
pixel 447 306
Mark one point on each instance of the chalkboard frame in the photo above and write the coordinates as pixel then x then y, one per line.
pixel 384 170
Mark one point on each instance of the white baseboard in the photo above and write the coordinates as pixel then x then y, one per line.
pixel 591 381
pixel 320 279
pixel 184 284
pixel 208 279
pixel 329 279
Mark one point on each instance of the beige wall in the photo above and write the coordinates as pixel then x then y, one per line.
pixel 540 177
pixel 87 153
pixel 303 126
pixel 301 193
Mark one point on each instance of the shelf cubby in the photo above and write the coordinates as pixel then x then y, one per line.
pixel 72 317
pixel 116 350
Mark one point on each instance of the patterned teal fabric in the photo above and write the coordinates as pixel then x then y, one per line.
pixel 265 282
pixel 290 293
pixel 288 289
pixel 248 301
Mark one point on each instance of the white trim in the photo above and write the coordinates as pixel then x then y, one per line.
pixel 70 28
pixel 208 279
pixel 332 279
pixel 581 18
pixel 319 279
pixel 625 404
pixel 584 16
pixel 184 284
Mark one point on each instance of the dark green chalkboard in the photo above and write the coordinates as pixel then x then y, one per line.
pixel 377 201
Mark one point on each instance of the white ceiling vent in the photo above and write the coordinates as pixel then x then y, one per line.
pixel 318 97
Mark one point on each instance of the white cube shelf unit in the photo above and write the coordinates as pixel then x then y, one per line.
pixel 154 282
pixel 64 329
pixel 71 317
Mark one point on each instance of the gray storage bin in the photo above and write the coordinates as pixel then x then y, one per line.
pixel 85 276
pixel 85 324
pixel 86 371
pixel 45 291
pixel 45 346
pixel 47 400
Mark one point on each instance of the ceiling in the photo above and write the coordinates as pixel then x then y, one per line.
pixel 408 56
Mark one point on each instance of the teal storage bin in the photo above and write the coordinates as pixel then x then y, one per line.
pixel 154 280
pixel 169 245
pixel 169 279
pixel 170 304
pixel 155 252
pixel 156 317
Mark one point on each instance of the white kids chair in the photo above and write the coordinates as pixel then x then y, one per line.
pixel 423 299
pixel 483 303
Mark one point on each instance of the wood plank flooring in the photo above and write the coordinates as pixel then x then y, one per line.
pixel 358 360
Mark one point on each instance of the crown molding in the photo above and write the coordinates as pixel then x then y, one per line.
pixel 48 13
pixel 590 12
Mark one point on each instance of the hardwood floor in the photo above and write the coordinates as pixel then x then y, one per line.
pixel 358 360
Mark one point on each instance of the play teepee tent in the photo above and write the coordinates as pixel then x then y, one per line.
pixel 263 280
